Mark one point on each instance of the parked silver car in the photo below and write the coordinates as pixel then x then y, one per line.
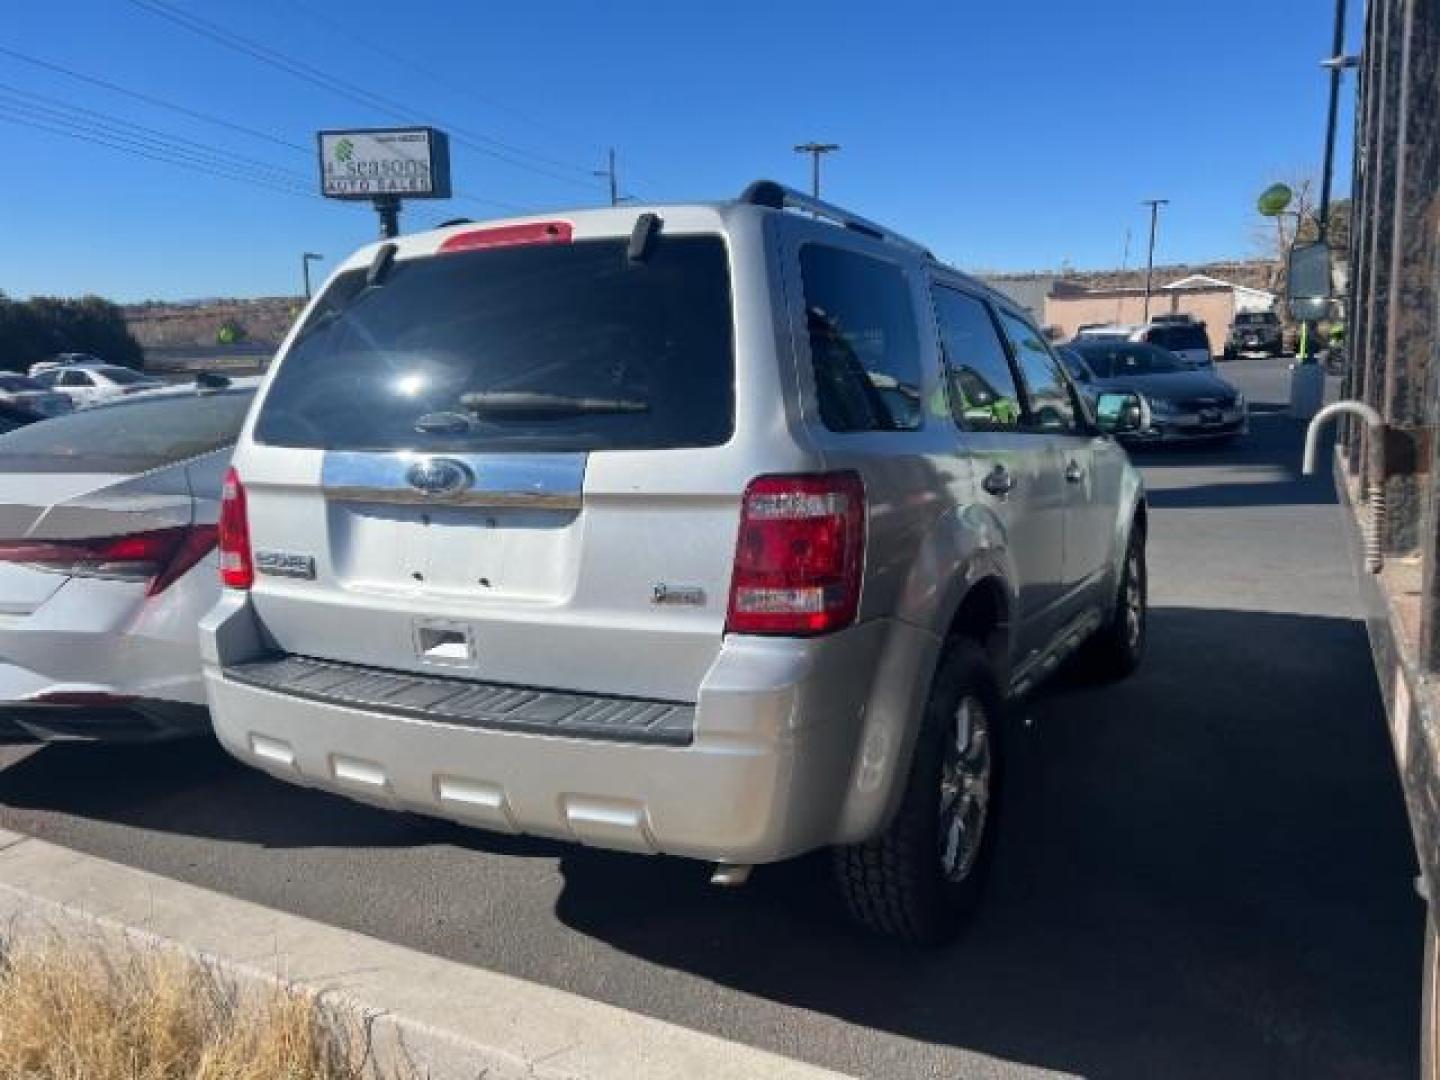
pixel 714 530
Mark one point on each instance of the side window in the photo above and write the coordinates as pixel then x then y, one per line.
pixel 75 378
pixel 863 341
pixel 1051 406
pixel 983 395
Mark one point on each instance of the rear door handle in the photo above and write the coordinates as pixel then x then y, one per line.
pixel 998 481
pixel 1074 473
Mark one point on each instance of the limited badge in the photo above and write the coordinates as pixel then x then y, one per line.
pixel 283 564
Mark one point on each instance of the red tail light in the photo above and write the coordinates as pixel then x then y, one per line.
pixel 535 232
pixel 800 554
pixel 237 568
pixel 160 556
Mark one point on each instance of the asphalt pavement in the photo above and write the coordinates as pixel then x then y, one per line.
pixel 1204 871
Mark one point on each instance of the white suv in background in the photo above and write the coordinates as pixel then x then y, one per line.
pixel 713 530
pixel 1182 336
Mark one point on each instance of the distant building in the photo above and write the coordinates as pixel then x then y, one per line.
pixel 1029 291
pixel 1206 299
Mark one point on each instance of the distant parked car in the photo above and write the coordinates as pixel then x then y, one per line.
pixel 1184 404
pixel 65 359
pixel 1255 332
pixel 1185 337
pixel 28 394
pixel 90 384
pixel 107 562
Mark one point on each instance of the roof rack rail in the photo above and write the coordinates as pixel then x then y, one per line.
pixel 779 197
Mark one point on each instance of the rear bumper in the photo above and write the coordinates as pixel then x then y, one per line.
pixel 1188 429
pixel 796 744
pixel 136 658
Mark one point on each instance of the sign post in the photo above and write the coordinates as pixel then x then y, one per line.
pixel 384 166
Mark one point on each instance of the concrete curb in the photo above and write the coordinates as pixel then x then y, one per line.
pixel 449 1021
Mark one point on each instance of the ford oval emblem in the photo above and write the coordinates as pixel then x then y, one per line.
pixel 439 476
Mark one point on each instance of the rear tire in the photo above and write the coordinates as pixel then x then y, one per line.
pixel 920 879
pixel 1118 647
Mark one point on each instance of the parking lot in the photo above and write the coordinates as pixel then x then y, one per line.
pixel 1204 871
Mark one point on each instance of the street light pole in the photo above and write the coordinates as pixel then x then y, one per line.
pixel 1154 205
pixel 305 260
pixel 816 150
pixel 609 174
pixel 1337 63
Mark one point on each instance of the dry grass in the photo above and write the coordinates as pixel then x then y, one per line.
pixel 91 1011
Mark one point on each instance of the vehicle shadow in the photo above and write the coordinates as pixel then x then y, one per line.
pixel 1272 455
pixel 192 787
pixel 1204 871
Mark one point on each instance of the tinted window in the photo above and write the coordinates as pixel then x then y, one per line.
pixel 537 347
pixel 863 341
pixel 1178 337
pixel 1051 407
pixel 982 388
pixel 1075 364
pixel 1118 360
pixel 130 437
pixel 75 378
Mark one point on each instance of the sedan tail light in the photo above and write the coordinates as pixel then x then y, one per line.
pixel 159 556
pixel 800 555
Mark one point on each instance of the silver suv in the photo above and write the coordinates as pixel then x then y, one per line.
pixel 717 530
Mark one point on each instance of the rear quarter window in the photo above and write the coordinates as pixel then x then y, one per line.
pixel 1179 337
pixel 864 346
pixel 611 354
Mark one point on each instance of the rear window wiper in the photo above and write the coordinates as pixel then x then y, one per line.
pixel 535 403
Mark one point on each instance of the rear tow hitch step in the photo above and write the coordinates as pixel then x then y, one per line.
pixel 731 875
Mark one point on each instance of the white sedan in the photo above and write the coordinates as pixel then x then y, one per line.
pixel 91 384
pixel 107 562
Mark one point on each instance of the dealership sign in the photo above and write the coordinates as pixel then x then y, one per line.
pixel 392 163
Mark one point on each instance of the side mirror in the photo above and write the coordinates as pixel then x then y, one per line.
pixel 1308 282
pixel 1122 414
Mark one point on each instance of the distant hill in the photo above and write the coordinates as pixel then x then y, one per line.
pixel 169 326
pixel 1252 273
pixel 186 323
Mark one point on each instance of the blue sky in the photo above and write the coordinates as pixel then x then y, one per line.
pixel 1017 135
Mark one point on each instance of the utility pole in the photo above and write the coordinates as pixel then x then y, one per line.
pixel 609 174
pixel 816 150
pixel 1124 265
pixel 1154 205
pixel 305 260
pixel 1337 63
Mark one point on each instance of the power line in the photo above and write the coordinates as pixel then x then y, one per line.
pixel 58 128
pixel 227 158
pixel 428 72
pixel 308 73
pixel 163 140
pixel 149 99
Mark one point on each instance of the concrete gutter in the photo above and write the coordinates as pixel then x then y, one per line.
pixel 450 1021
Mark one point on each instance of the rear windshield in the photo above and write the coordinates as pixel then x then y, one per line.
pixel 15 384
pixel 1178 337
pixel 539 347
pixel 1116 360
pixel 128 437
